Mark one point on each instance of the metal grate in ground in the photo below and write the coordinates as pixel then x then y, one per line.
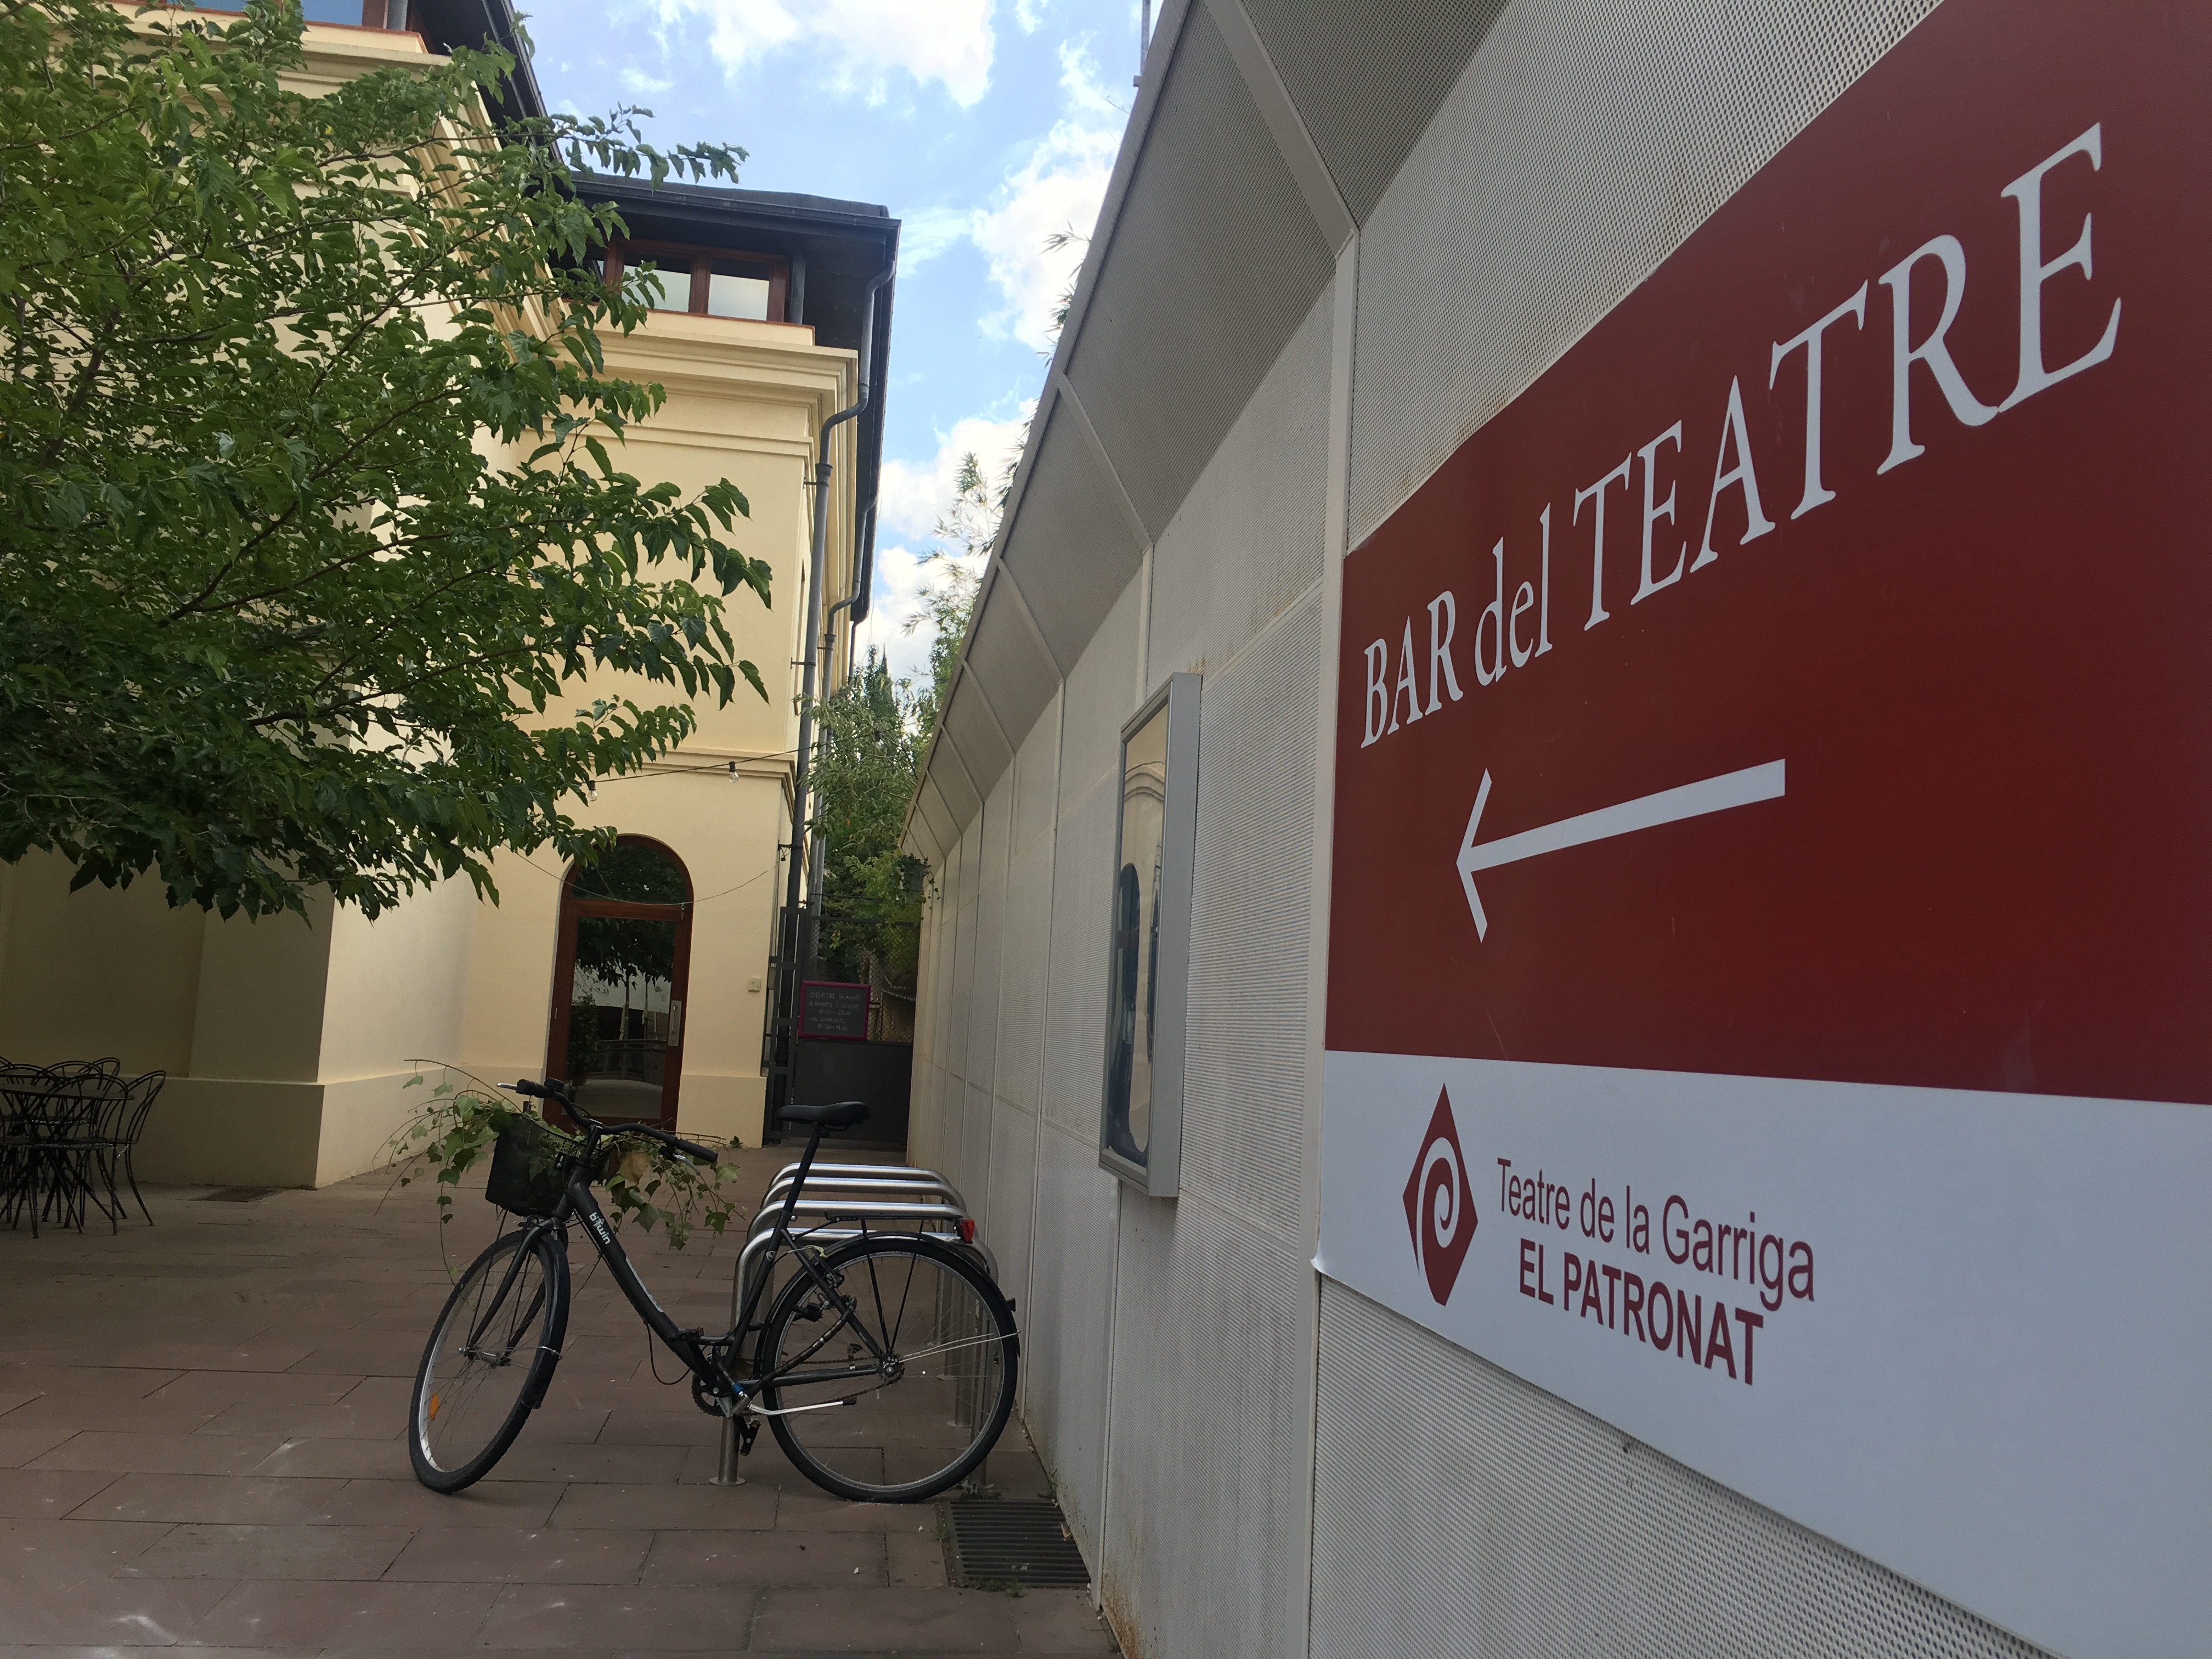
pixel 1018 1540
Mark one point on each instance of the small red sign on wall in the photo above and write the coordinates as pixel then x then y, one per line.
pixel 832 1008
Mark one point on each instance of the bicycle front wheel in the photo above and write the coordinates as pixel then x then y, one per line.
pixel 897 1385
pixel 489 1360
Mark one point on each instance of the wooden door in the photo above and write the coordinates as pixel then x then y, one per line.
pixel 621 984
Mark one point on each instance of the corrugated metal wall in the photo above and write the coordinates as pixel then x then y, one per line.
pixel 1256 1462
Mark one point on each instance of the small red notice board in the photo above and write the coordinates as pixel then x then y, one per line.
pixel 833 1009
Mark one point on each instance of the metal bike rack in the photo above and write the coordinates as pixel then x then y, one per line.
pixel 848 1201
pixel 922 1182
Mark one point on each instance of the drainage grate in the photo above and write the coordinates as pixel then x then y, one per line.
pixel 234 1195
pixel 1021 1540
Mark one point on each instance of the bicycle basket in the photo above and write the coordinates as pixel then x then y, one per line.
pixel 529 1168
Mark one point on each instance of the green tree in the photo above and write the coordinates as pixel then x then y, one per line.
pixel 964 534
pixel 274 610
pixel 865 774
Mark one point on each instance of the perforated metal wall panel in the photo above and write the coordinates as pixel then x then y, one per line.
pixel 962 1012
pixel 1246 544
pixel 1208 1455
pixel 1212 263
pixel 1065 1325
pixel 1459 1511
pixel 1586 140
pixel 1367 78
pixel 1023 977
pixel 1007 1220
pixel 1069 547
pixel 969 1162
pixel 972 723
pixel 990 935
pixel 1075 1016
pixel 1244 1087
pixel 948 772
pixel 1101 694
pixel 1037 780
pixel 1005 654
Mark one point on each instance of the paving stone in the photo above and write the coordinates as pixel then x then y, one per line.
pixel 65 1550
pixel 108 1612
pixel 848 1621
pixel 916 1559
pixel 22 1446
pixel 410 1504
pixel 159 1454
pixel 211 1391
pixel 535 1555
pixel 1060 1621
pixel 748 1508
pixel 48 1494
pixel 234 1500
pixel 388 1617
pixel 348 1459
pixel 681 1617
pixel 270 1552
pixel 851 1559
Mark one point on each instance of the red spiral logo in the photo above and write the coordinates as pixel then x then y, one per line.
pixel 1439 1202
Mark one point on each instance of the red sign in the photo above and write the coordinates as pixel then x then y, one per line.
pixel 1811 673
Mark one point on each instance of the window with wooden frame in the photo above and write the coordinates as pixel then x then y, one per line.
pixel 704 280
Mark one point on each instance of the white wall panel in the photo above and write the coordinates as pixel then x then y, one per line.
pixel 1210 1460
pixel 1007 1221
pixel 1585 140
pixel 1024 977
pixel 1244 1091
pixel 1458 1509
pixel 1246 544
pixel 1065 1325
pixel 990 933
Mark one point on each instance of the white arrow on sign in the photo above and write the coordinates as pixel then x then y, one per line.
pixel 1691 801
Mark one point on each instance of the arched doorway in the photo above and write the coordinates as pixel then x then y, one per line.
pixel 621 975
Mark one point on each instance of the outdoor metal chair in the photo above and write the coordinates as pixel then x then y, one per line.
pixel 123 1120
pixel 66 1131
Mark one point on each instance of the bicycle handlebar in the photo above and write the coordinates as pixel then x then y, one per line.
pixel 562 1095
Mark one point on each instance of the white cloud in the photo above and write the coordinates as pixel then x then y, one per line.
pixel 902 574
pixel 949 41
pixel 1056 189
pixel 925 234
pixel 910 498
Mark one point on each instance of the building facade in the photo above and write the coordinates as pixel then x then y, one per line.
pixel 289 1043
pixel 1397 933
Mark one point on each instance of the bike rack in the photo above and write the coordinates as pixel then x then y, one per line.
pixel 922 1181
pixel 839 1194
pixel 874 1176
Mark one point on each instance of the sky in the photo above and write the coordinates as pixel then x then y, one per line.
pixel 984 127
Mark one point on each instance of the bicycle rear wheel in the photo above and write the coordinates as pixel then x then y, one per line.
pixel 489 1360
pixel 899 1387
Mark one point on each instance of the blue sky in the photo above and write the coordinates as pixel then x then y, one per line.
pixel 983 126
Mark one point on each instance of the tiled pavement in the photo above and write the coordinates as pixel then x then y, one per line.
pixel 200 1446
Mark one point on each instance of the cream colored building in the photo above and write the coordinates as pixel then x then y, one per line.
pixel 289 1043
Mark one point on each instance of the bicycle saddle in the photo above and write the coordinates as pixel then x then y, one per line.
pixel 834 1114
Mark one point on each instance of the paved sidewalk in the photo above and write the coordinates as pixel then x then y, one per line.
pixel 200 1445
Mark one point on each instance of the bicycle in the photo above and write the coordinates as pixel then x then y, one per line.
pixel 885 1366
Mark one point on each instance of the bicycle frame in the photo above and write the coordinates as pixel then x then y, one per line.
pixel 705 1357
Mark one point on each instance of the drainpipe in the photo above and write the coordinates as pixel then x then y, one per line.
pixel 791 946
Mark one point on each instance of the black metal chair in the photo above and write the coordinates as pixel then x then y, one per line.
pixel 122 1121
pixel 64 1130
